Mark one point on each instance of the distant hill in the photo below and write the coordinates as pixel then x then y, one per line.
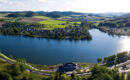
pixel 54 14
pixel 65 13
pixel 22 14
pixel 120 21
pixel 111 14
pixel 125 16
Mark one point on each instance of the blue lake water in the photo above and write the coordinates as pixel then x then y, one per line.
pixel 49 51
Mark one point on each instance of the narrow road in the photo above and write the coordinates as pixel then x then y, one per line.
pixel 32 71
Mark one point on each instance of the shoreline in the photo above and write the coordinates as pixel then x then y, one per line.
pixel 11 61
pixel 116 31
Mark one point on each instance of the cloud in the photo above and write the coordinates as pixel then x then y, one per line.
pixel 12 5
pixel 41 0
pixel 4 1
pixel 66 5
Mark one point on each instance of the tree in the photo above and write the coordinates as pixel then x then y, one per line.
pixel 103 73
pixel 16 70
pixel 110 60
pixel 22 67
pixel 5 76
pixel 75 77
pixel 128 76
pixel 122 77
pixel 105 76
pixel 24 78
pixel 11 57
pixel 115 73
pixel 99 60
pixel 64 77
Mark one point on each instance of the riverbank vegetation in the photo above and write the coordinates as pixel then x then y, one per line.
pixel 34 30
pixel 116 59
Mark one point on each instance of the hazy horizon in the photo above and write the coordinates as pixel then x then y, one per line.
pixel 70 11
pixel 86 6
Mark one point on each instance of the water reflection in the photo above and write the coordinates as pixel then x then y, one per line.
pixel 124 43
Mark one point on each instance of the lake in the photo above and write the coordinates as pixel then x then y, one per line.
pixel 50 51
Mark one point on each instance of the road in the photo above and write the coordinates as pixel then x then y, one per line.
pixel 33 69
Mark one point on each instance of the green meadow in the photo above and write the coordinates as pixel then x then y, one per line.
pixel 50 23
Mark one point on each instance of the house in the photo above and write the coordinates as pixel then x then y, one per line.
pixel 68 67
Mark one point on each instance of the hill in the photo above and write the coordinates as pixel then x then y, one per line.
pixel 121 21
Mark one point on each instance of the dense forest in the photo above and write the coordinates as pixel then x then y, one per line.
pixel 70 32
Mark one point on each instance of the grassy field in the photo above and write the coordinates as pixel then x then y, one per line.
pixel 64 18
pixel 52 24
pixel 2 15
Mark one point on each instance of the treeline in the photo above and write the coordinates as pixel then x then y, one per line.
pixel 116 59
pixel 12 72
pixel 116 23
pixel 22 14
pixel 108 24
pixel 54 14
pixel 34 30
pixel 103 73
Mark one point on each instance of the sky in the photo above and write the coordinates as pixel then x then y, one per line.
pixel 88 6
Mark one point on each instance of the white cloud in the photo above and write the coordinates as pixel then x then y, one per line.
pixel 3 1
pixel 67 5
pixel 42 0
